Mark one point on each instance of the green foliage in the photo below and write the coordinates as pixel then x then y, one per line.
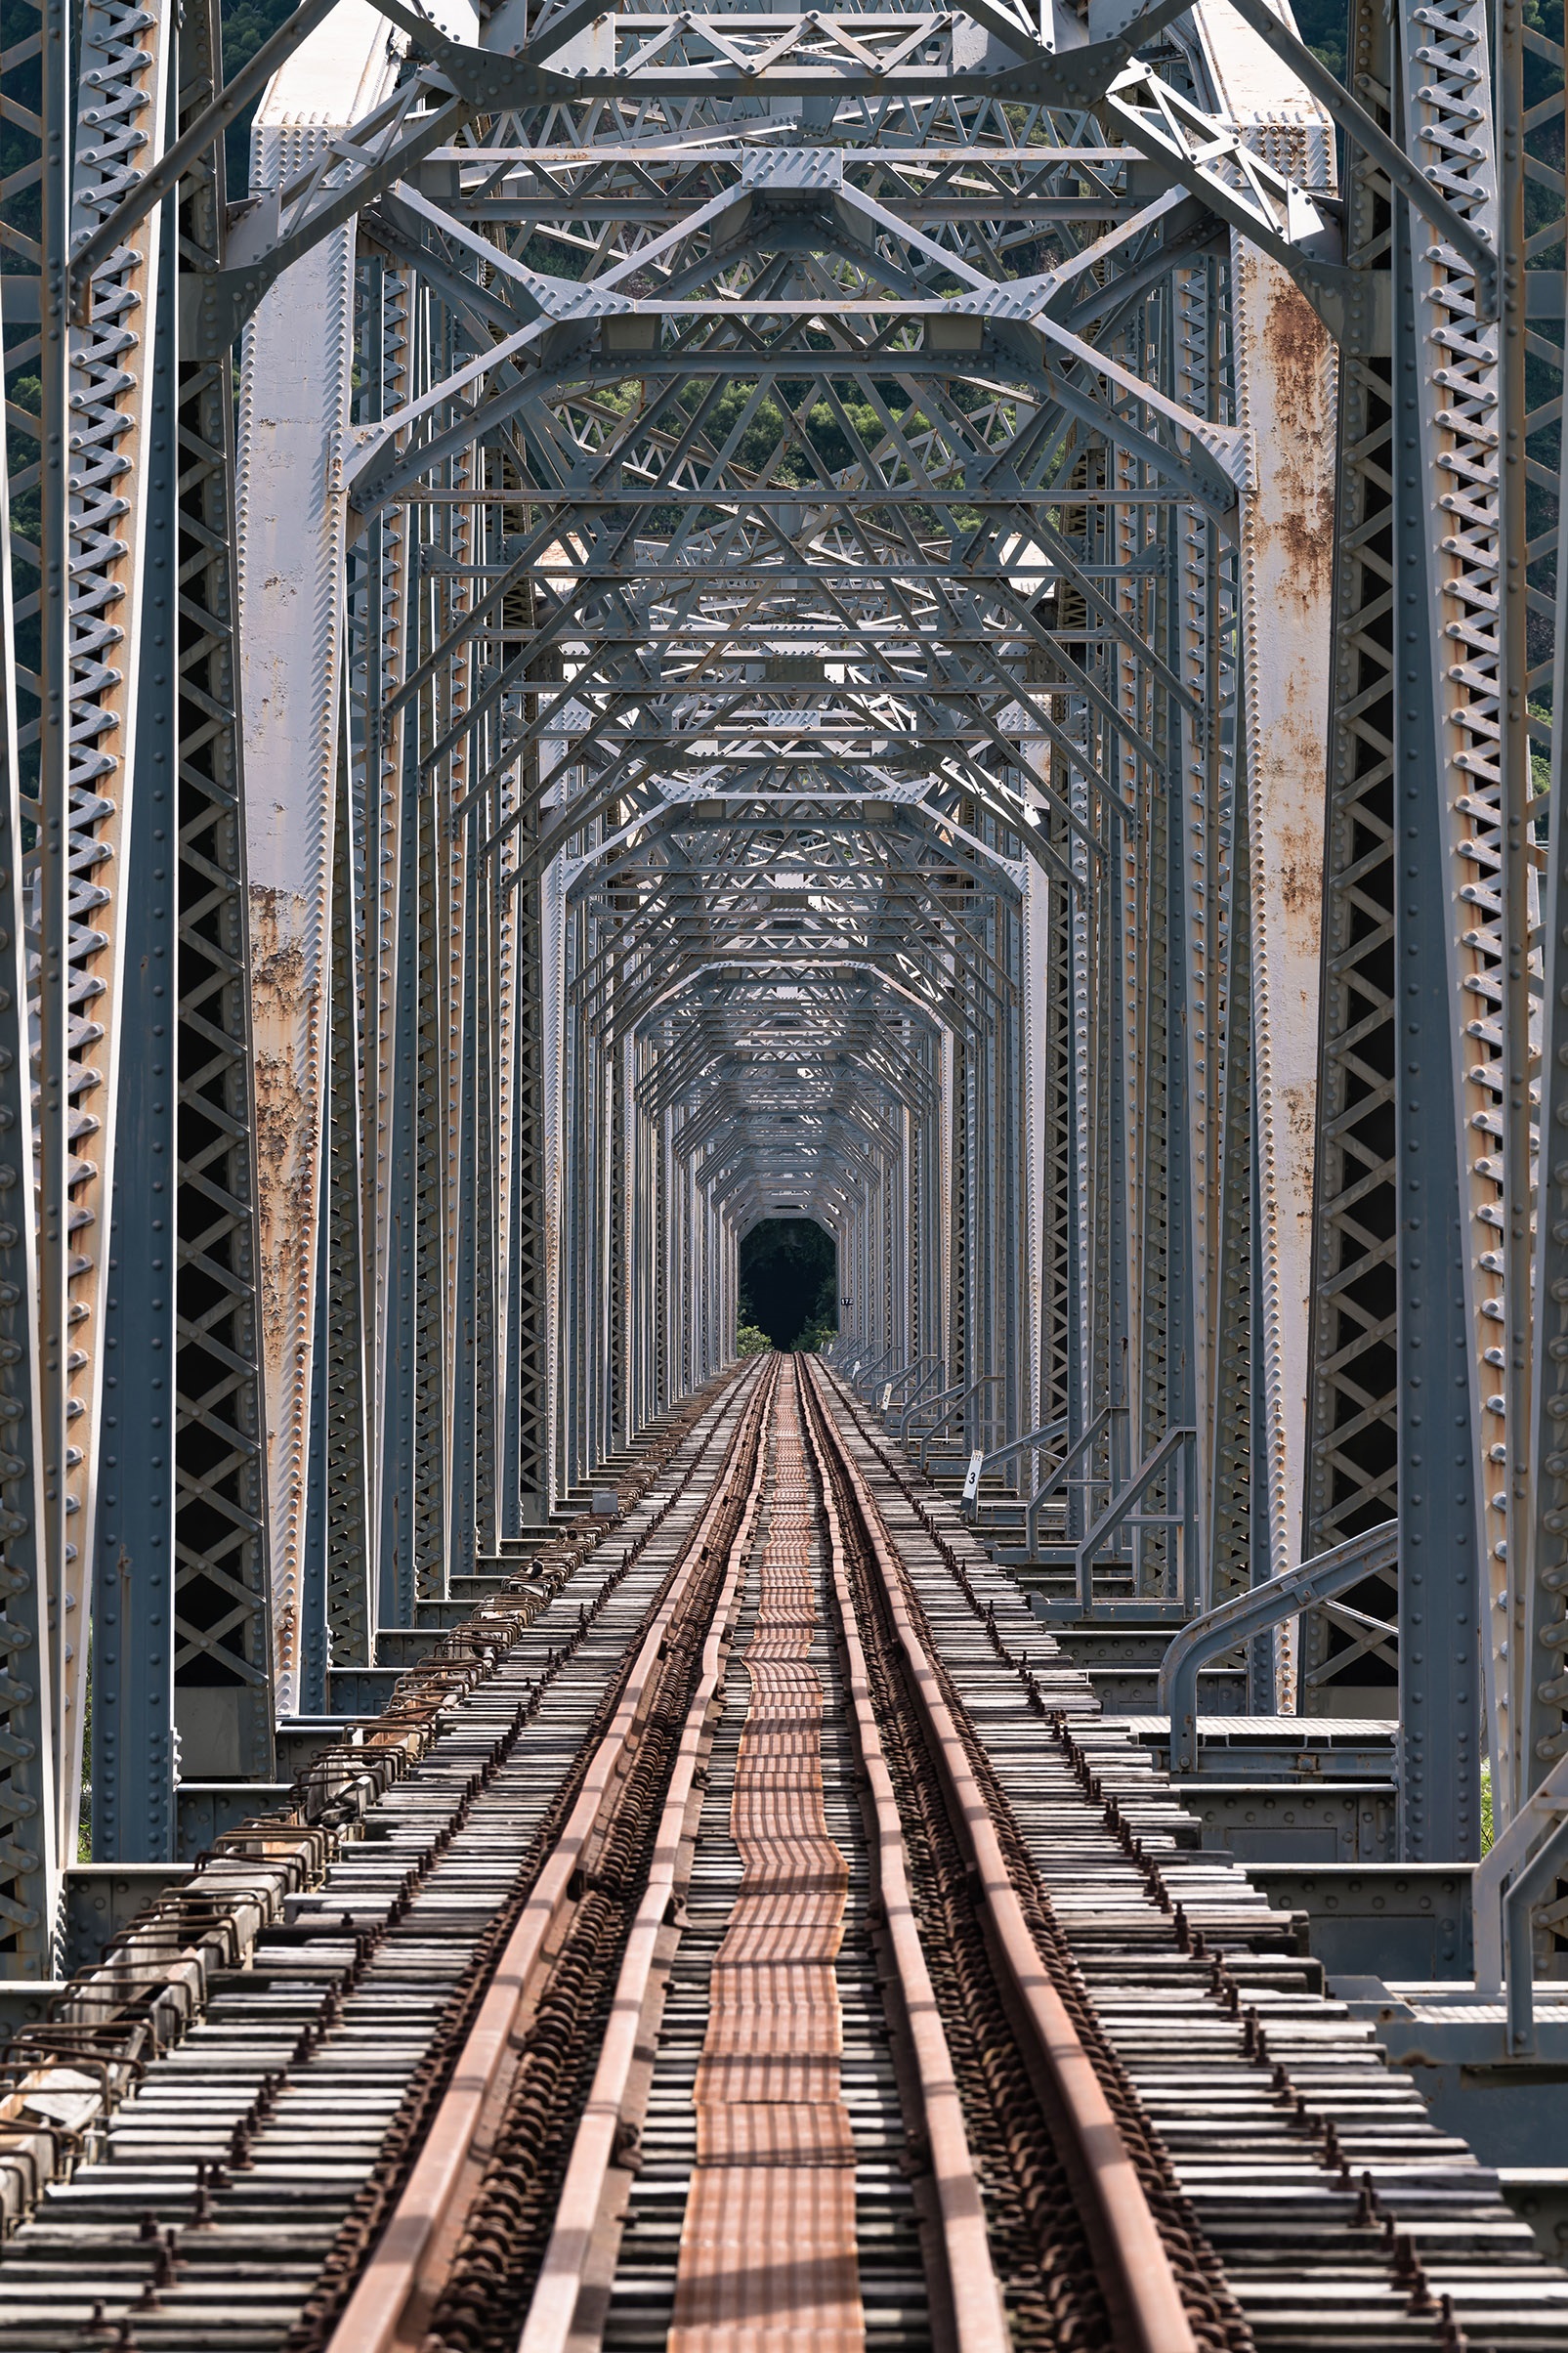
pixel 749 1341
pixel 246 25
pixel 1325 26
pixel 789 1280
pixel 817 430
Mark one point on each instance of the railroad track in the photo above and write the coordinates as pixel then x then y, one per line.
pixel 261 2148
pixel 776 1944
pixel 640 2308
pixel 1343 2218
pixel 508 2230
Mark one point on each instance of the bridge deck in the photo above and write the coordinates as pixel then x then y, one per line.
pixel 768 1939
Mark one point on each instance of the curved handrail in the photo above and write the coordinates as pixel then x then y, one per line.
pixel 1316 1580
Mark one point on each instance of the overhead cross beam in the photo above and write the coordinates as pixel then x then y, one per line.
pixel 767 648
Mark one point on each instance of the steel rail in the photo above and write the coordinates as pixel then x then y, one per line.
pixel 1134 2266
pixel 979 2322
pixel 552 2317
pixel 979 2325
pixel 389 2305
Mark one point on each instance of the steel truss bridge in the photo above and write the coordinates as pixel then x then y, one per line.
pixel 940 619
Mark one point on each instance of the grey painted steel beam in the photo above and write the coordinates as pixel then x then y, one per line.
pixel 1245 1614
pixel 781 746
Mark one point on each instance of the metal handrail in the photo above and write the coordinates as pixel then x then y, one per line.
pixel 1219 1629
pixel 908 1404
pixel 1177 1445
pixel 1505 1858
pixel 858 1373
pixel 958 1402
pixel 1059 1477
pixel 942 1396
pixel 1539 1878
pixel 1045 1435
pixel 892 1380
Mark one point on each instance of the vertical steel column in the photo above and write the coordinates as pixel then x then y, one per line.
pixel 458 921
pixel 29 1855
pixel 1439 1585
pixel 400 1368
pixel 430 1465
pixel 472 1426
pixel 526 1479
pixel 338 1553
pixel 294 412
pixel 224 1660
pixel 1083 1039
pixel 1286 378
pixel 1547 1608
pixel 1238 1551
pixel 1532 122
pixel 1197 656
pixel 133 1749
pixel 93 517
pixel 1059 1223
pixel 622 1426
pixel 385 602
pixel 1444 66
pixel 481 1039
pixel 1181 1389
pixel 1353 1373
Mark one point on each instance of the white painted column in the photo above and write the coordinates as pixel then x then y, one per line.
pixel 1287 381
pixel 297 357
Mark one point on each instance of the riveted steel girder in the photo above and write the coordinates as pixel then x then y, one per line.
pixel 771 649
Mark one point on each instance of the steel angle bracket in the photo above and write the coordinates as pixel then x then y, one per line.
pixel 1379 149
pixel 1298 227
pixel 368 158
pixel 1069 79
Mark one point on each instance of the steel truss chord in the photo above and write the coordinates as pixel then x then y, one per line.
pixel 1354 1368
pixel 1531 83
pixel 782 593
pixel 29 1855
pixel 225 1661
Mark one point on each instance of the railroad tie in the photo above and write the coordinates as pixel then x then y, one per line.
pixel 768 2244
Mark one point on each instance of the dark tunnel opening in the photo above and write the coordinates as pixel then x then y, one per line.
pixel 789 1281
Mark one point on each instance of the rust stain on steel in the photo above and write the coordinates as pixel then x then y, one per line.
pixel 1298 352
pixel 1296 852
pixel 768 2244
pixel 281 922
pixel 278 982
